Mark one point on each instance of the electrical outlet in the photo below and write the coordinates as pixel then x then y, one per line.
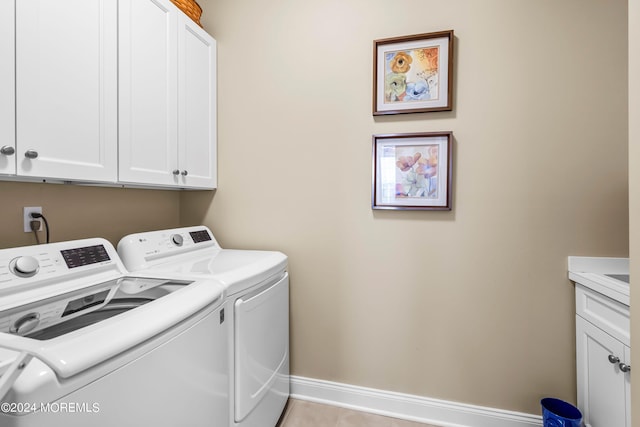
pixel 28 219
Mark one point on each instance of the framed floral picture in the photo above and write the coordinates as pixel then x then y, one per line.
pixel 412 171
pixel 413 74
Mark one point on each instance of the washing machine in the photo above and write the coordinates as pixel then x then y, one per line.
pixel 257 291
pixel 83 342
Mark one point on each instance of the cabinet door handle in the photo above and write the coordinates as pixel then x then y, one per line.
pixel 184 173
pixel 614 359
pixel 7 150
pixel 31 154
pixel 625 368
pixel 176 172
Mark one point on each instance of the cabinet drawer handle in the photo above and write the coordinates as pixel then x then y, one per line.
pixel 7 150
pixel 614 359
pixel 625 368
pixel 31 154
pixel 176 172
pixel 184 173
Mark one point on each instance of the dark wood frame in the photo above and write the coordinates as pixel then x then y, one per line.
pixel 449 175
pixel 426 36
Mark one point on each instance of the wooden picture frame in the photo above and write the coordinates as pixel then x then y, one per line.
pixel 412 171
pixel 413 74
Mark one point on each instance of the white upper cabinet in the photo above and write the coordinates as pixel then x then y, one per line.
pixel 167 97
pixel 106 91
pixel 148 92
pixel 7 89
pixel 66 89
pixel 197 105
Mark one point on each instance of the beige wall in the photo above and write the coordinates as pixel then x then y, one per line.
pixel 76 212
pixel 634 192
pixel 472 305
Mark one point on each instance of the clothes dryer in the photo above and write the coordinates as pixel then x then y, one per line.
pixel 84 343
pixel 257 292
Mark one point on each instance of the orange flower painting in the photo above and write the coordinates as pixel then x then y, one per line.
pixel 416 70
pixel 413 74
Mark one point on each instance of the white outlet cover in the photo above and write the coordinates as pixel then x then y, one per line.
pixel 28 219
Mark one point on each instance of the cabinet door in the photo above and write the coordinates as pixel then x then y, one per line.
pixel 197 105
pixel 7 88
pixel 602 388
pixel 66 89
pixel 148 92
pixel 627 385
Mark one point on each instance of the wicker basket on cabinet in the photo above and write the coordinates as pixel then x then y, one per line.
pixel 191 8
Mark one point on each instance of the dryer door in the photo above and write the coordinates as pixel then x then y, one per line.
pixel 262 347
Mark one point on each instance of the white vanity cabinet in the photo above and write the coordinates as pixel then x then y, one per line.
pixel 66 89
pixel 7 89
pixel 167 132
pixel 603 389
pixel 603 342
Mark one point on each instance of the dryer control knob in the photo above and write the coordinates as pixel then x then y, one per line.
pixel 177 239
pixel 25 266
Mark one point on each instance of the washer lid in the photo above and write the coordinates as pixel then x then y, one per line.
pixel 81 349
pixel 237 270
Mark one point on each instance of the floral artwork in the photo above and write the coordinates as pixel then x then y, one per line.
pixel 412 171
pixel 417 173
pixel 413 74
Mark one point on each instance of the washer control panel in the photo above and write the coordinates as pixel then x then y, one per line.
pixel 31 265
pixel 83 256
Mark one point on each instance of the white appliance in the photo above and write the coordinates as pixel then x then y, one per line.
pixel 257 290
pixel 82 343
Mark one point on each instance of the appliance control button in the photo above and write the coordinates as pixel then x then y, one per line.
pixel 25 266
pixel 25 324
pixel 177 239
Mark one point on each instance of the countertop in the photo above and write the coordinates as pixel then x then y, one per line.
pixel 592 272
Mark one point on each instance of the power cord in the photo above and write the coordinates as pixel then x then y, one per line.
pixel 35 224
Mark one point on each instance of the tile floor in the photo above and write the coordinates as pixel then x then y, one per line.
pixel 300 413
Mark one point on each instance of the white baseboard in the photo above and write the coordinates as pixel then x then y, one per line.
pixel 408 407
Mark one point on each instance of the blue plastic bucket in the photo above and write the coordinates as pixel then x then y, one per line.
pixel 558 413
